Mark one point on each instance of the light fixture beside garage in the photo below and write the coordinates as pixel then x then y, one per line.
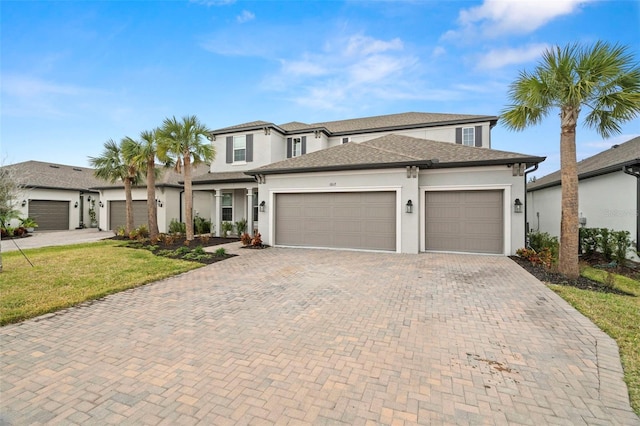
pixel 409 206
pixel 517 206
pixel 75 206
pixel 24 203
pixel 159 203
pixel 262 205
pixel 101 204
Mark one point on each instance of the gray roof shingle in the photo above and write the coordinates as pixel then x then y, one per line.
pixel 38 174
pixel 606 161
pixel 394 151
pixel 222 177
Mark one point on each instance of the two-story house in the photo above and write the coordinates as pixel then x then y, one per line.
pixel 405 183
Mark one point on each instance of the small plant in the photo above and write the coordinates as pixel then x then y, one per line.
pixel 28 222
pixel 176 227
pixel 605 243
pixel 221 252
pixel 541 240
pixel 166 239
pixel 241 226
pixel 622 245
pixel 256 241
pixel 205 238
pixel 120 231
pixel 165 253
pixel 226 227
pixel 142 231
pixel 199 250
pixel 610 280
pixel 181 251
pixel 133 234
pixel 201 225
pixel 589 240
pixel 152 247
pixel 246 239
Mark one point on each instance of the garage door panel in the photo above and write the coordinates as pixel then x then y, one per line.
pixel 50 215
pixel 466 221
pixel 118 214
pixel 337 220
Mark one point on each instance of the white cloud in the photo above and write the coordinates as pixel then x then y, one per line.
pixel 500 17
pixel 213 2
pixel 498 58
pixel 359 45
pixel 245 16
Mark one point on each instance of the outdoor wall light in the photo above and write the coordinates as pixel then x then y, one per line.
pixel 262 206
pixel 409 206
pixel 101 204
pixel 89 198
pixel 159 203
pixel 24 203
pixel 75 206
pixel 517 206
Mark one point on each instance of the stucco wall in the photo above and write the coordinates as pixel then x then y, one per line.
pixel 57 195
pixel 606 201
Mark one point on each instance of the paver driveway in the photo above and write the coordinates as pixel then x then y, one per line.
pixel 323 337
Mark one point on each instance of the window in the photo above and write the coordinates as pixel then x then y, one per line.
pixel 468 136
pixel 297 147
pixel 255 205
pixel 239 149
pixel 346 140
pixel 227 207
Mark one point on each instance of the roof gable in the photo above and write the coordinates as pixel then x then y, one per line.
pixel 38 174
pixel 603 162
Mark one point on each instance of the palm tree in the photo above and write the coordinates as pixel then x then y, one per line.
pixel 603 78
pixel 112 166
pixel 143 153
pixel 182 141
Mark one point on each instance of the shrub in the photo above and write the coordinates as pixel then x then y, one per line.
pixel 166 239
pixel 199 250
pixel 246 239
pixel 541 240
pixel 221 252
pixel 589 240
pixel 176 227
pixel 605 243
pixel 621 245
pixel 226 227
pixel 205 239
pixel 201 225
pixel 256 240
pixel 142 231
pixel 241 226
pixel 181 251
pixel 120 231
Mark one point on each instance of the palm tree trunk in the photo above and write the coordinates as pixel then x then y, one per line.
pixel 568 261
pixel 128 205
pixel 188 195
pixel 152 207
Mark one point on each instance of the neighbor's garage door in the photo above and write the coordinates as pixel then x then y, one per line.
pixel 118 214
pixel 50 215
pixel 355 220
pixel 465 221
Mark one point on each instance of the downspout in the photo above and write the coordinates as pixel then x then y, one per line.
pixel 635 172
pixel 180 204
pixel 526 223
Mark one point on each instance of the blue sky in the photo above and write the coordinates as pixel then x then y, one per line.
pixel 75 74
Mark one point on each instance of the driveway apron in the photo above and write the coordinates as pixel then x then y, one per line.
pixel 294 336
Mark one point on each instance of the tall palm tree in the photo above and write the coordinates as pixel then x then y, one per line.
pixel 112 166
pixel 182 141
pixel 143 153
pixel 603 78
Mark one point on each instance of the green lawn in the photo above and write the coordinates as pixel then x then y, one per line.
pixel 67 275
pixel 618 316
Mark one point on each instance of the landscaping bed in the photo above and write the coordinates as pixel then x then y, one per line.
pixel 177 247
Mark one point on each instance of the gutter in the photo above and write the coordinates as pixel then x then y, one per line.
pixel 526 223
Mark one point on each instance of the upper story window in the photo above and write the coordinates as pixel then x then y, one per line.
pixel 239 149
pixel 346 140
pixel 297 147
pixel 468 136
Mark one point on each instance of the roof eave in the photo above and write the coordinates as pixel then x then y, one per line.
pixel 581 176
pixel 490 118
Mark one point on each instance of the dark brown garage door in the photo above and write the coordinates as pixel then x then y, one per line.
pixel 465 221
pixel 118 214
pixel 354 220
pixel 50 215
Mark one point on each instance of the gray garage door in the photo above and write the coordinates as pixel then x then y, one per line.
pixel 465 221
pixel 118 214
pixel 356 220
pixel 50 215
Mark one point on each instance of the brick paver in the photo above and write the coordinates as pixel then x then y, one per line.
pixel 285 336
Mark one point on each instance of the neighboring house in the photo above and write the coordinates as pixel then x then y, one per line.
pixel 351 183
pixel 56 196
pixel 609 193
pixel 169 199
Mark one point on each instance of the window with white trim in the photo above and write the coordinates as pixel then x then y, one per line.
pixel 297 147
pixel 469 136
pixel 346 140
pixel 227 206
pixel 239 149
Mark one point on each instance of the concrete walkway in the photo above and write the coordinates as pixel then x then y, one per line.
pixel 285 336
pixel 55 238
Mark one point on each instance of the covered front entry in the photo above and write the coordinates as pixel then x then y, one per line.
pixel 465 221
pixel 50 215
pixel 349 220
pixel 118 214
